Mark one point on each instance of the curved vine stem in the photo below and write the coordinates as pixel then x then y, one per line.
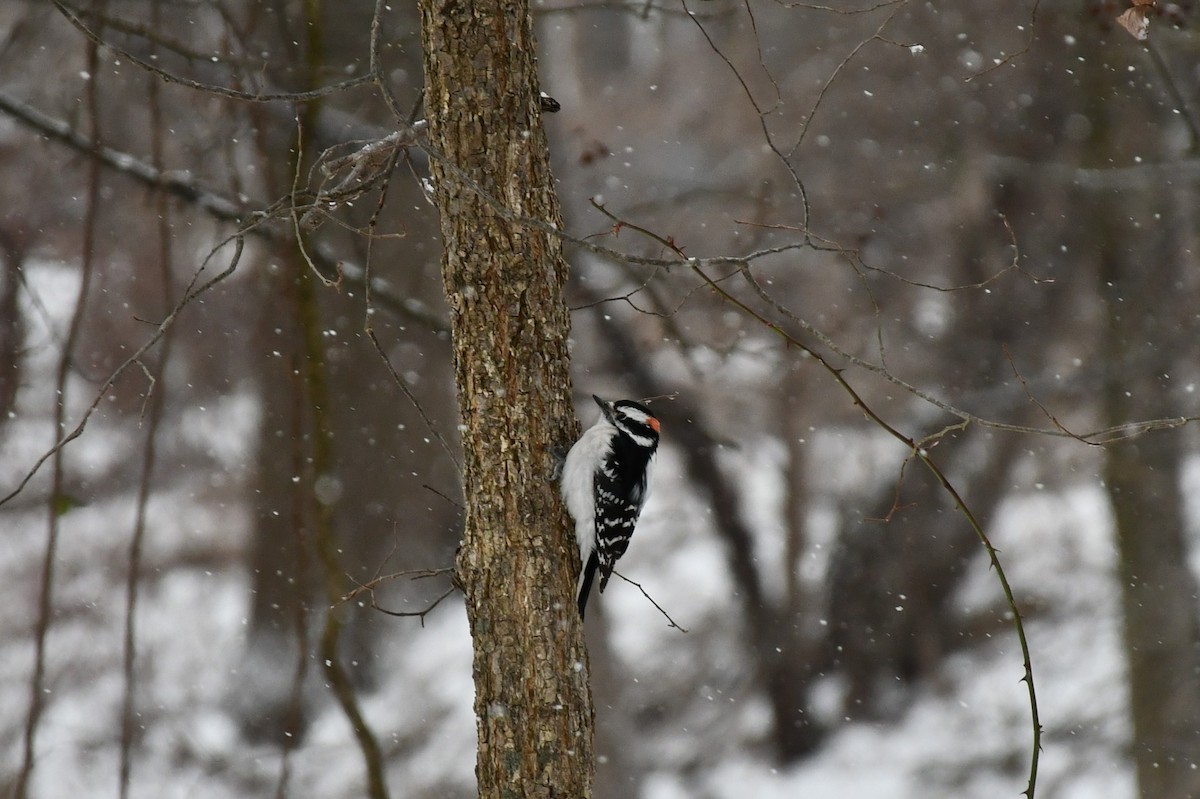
pixel 922 454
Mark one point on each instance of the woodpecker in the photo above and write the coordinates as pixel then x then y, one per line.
pixel 604 483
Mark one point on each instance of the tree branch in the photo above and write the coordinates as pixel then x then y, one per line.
pixel 218 206
pixel 670 622
pixel 73 17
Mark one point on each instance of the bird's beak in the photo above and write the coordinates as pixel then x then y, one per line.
pixel 605 407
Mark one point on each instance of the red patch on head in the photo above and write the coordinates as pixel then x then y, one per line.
pixel 653 423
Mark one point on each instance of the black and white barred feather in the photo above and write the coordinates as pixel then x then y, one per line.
pixel 604 483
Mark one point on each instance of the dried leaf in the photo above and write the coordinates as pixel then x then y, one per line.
pixel 1136 20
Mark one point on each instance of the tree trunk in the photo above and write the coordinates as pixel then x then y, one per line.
pixel 12 338
pixel 504 286
pixel 1158 589
pixel 1138 238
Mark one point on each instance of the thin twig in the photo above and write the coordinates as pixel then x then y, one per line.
pixel 377 64
pixel 380 579
pixel 442 494
pixel 299 234
pixel 190 294
pixel 421 614
pixel 369 326
pixel 638 586
pixel 855 258
pixel 842 65
pixel 415 574
pixel 797 181
pixel 1028 45
pixel 402 384
pixel 218 205
pixel 897 505
pixel 1046 411
pixel 641 10
pixel 841 11
pixel 72 16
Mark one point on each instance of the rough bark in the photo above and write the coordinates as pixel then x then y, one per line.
pixel 504 286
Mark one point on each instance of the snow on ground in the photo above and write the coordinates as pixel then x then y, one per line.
pixel 969 734
pixel 191 621
pixel 966 734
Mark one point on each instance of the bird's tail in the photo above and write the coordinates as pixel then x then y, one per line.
pixel 585 581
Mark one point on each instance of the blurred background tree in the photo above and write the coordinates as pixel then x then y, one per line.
pixel 986 216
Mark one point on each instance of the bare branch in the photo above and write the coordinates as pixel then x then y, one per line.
pixel 845 62
pixel 389 99
pixel 220 207
pixel 854 257
pixel 421 614
pixel 189 295
pixel 1046 411
pixel 73 16
pixel 173 183
pixel 638 586
pixel 415 574
pixel 292 206
pixel 842 11
pixel 642 10
pixel 762 115
pixel 1033 12
pixel 402 384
